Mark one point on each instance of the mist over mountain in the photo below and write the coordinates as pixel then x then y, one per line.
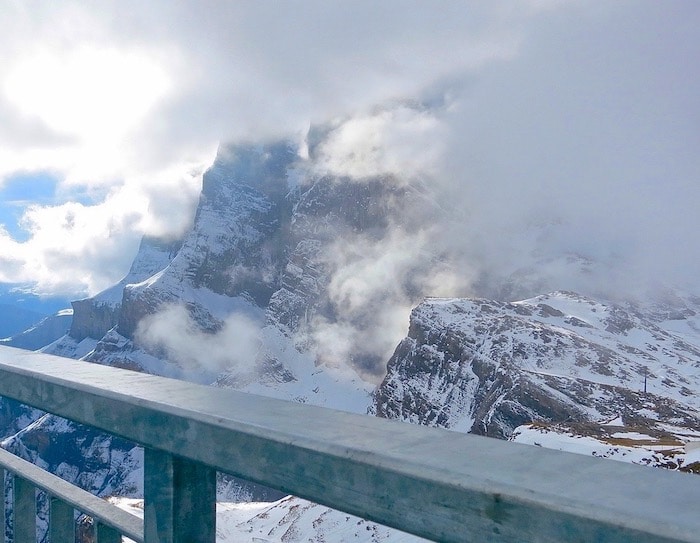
pixel 550 128
pixel 329 264
pixel 480 217
pixel 297 280
pixel 324 247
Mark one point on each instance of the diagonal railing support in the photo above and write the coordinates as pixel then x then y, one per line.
pixel 179 500
pixel 64 499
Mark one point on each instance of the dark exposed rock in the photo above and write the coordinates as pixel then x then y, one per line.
pixel 92 319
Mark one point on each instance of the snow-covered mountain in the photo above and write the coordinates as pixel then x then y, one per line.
pixel 288 284
pixel 488 367
pixel 260 269
pixel 247 290
pixel 93 317
pixel 46 331
pixel 288 520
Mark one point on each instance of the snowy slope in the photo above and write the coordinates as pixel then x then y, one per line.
pixel 289 520
pixel 661 446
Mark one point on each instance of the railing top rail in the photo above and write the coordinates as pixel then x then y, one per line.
pixel 434 483
pixel 106 513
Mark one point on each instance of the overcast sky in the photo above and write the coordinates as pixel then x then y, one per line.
pixel 556 128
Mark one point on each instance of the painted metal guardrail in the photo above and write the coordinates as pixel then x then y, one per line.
pixel 434 483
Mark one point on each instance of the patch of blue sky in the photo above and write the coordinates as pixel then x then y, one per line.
pixel 20 191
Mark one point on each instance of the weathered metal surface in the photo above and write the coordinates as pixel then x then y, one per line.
pixel 35 477
pixel 179 500
pixel 434 483
pixel 24 510
pixel 61 521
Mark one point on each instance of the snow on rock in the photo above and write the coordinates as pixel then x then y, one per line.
pixel 551 358
pixel 69 347
pixel 94 316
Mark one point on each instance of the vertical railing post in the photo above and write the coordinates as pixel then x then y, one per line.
pixel 24 511
pixel 61 521
pixel 179 500
pixel 106 534
pixel 3 513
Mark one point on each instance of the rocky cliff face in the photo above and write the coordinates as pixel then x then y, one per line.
pixel 267 243
pixel 94 317
pixel 236 247
pixel 487 367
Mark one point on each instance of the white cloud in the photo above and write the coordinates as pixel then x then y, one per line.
pixel 173 331
pixel 119 95
pixel 401 141
pixel 79 249
pixel 562 126
pixel 87 93
pixel 582 145
pixel 374 283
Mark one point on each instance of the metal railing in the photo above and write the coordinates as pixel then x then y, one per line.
pixel 64 498
pixel 437 484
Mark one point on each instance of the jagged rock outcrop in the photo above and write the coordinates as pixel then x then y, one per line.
pixel 106 462
pixel 265 244
pixel 487 367
pixel 328 210
pixel 92 318
pixel 236 246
